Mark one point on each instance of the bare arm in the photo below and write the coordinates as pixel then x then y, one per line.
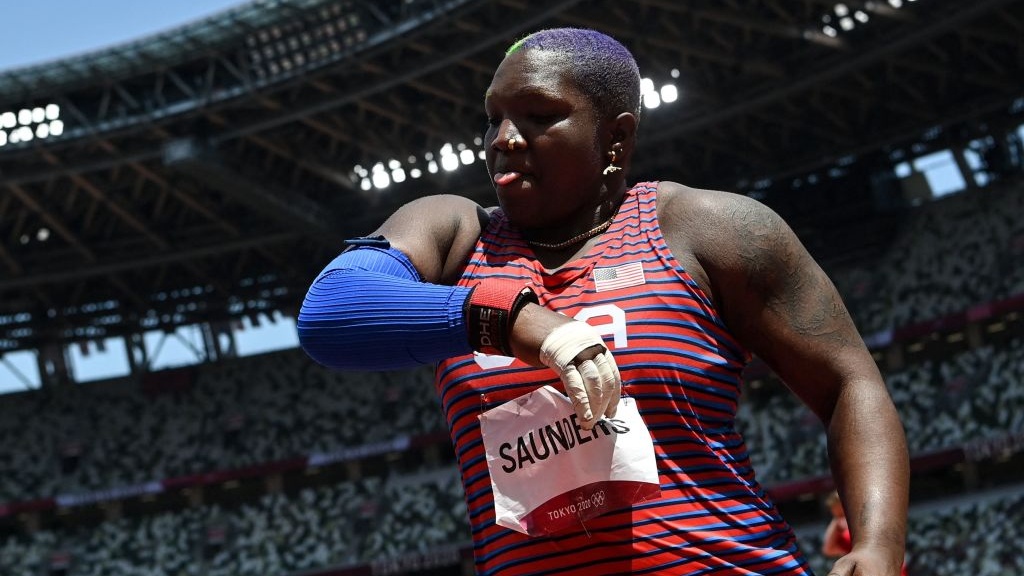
pixel 437 233
pixel 781 305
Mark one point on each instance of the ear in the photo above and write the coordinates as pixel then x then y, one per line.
pixel 623 133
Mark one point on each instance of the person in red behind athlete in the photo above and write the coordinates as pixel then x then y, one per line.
pixel 655 290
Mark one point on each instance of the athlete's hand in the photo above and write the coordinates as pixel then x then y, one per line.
pixel 865 563
pixel 588 371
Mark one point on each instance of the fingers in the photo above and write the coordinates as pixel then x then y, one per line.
pixel 596 393
pixel 577 391
pixel 611 383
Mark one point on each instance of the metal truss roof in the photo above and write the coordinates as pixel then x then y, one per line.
pixel 207 173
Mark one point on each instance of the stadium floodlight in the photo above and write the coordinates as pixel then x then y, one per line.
pixel 652 99
pixel 398 175
pixel 467 157
pixel 380 176
pixel 3 138
pixel 29 123
pixel 669 93
pixel 841 10
pixel 415 173
pixel 449 160
pixel 432 167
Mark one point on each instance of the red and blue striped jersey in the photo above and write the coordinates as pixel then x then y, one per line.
pixel 680 364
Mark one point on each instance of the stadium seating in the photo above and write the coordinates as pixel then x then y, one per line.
pixel 972 396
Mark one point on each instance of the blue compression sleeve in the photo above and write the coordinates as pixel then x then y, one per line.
pixel 369 310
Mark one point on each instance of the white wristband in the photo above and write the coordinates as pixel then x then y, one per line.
pixel 593 385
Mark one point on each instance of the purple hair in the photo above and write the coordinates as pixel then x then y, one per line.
pixel 601 66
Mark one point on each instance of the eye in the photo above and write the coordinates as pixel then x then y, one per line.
pixel 544 118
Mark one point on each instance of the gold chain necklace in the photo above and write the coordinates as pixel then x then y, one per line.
pixel 575 239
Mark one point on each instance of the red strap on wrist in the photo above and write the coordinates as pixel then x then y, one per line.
pixel 492 308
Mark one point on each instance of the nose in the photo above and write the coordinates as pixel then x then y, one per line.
pixel 507 137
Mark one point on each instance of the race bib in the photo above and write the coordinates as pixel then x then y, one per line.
pixel 548 474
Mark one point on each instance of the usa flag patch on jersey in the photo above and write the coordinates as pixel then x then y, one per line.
pixel 622 276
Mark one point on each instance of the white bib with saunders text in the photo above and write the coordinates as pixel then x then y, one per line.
pixel 548 474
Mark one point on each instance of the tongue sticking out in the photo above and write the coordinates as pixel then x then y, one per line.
pixel 505 178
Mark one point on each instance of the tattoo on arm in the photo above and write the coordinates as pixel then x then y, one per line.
pixel 786 278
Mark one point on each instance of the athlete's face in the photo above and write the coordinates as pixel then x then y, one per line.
pixel 554 174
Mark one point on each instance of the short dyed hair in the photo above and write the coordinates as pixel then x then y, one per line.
pixel 601 66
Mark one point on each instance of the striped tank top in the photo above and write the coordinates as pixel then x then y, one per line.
pixel 681 366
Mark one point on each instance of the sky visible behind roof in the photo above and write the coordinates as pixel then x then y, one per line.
pixel 39 31
pixel 34 32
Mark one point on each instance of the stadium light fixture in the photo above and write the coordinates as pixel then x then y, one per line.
pixel 27 124
pixel 844 18
pixel 449 160
pixel 669 93
pixel 380 176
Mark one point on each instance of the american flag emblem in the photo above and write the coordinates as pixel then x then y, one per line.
pixel 623 276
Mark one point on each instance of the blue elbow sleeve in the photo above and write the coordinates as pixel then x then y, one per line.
pixel 369 310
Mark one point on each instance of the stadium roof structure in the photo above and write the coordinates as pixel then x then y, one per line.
pixel 207 173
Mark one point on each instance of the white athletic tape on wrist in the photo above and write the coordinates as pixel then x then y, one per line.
pixel 595 385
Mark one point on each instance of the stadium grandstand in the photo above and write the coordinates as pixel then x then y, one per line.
pixel 164 204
